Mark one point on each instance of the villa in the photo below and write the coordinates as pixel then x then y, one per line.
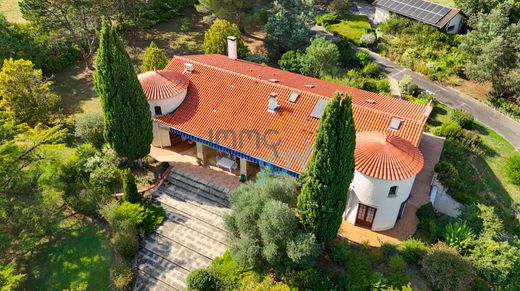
pixel 242 116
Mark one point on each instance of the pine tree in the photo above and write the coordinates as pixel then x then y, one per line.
pixel 154 58
pixel 127 123
pixel 130 193
pixel 329 172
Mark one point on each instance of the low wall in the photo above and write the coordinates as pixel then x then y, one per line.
pixel 155 184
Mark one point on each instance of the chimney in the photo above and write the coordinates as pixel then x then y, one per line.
pixel 232 47
pixel 273 103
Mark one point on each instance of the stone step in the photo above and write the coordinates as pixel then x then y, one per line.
pixel 179 217
pixel 199 189
pixel 145 282
pixel 196 241
pixel 162 269
pixel 204 213
pixel 195 199
pixel 199 183
pixel 174 252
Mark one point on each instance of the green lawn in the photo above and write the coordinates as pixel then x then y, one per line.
pixel 11 10
pixel 450 3
pixel 81 257
pixel 482 177
pixel 352 27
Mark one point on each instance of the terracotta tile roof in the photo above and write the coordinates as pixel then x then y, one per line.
pixel 387 157
pixel 225 94
pixel 162 84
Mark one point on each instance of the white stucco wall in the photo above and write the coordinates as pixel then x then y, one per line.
pixel 161 136
pixel 167 105
pixel 457 21
pixel 374 193
pixel 381 15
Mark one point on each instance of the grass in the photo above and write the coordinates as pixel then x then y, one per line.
pixel 352 27
pixel 79 257
pixel 482 176
pixel 11 10
pixel 450 3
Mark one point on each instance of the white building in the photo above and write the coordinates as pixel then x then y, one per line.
pixel 442 17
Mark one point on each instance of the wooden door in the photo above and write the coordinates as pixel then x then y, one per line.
pixel 365 216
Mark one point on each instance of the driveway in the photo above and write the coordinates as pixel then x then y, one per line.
pixel 192 235
pixel 502 124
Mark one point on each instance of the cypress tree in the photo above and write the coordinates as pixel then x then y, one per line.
pixel 154 58
pixel 328 174
pixel 127 123
pixel 130 193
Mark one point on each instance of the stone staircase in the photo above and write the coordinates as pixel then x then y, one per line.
pixel 192 235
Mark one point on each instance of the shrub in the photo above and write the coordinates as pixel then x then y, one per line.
pixel 104 177
pixel 371 71
pixel 359 268
pixel 368 40
pixel 327 19
pixel 338 7
pixel 89 127
pixel 164 166
pixel 153 217
pixel 388 249
pixel 259 58
pixel 154 58
pixel 513 169
pixel 461 117
pixel 291 61
pixel 471 141
pixel 87 201
pixel 458 236
pixel 215 38
pixel 228 269
pixel 132 212
pixel 122 277
pixel 203 280
pixel 413 250
pixel 125 240
pixel 446 269
pixel 396 272
pixel 315 279
pixel 363 58
pixel 340 252
pixel 426 212
pixel 130 193
pixel 445 171
pixel 448 129
pixel 346 54
pixel 408 86
pixel 108 211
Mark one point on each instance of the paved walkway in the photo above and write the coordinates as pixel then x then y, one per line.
pixel 507 127
pixel 431 147
pixel 192 235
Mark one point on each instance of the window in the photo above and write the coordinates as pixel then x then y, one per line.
pixel 451 27
pixel 393 191
pixel 395 123
pixel 158 110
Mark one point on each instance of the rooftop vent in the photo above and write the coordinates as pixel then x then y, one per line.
pixel 293 97
pixel 395 123
pixel 317 112
pixel 188 67
pixel 308 86
pixel 370 101
pixel 273 80
pixel 273 103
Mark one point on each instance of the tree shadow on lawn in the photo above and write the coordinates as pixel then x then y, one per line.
pixel 74 85
pixel 79 257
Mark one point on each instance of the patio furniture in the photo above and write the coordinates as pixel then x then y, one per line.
pixel 227 163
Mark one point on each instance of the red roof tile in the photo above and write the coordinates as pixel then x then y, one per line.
pixel 387 157
pixel 226 94
pixel 162 84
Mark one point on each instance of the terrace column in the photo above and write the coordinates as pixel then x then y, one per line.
pixel 243 167
pixel 200 152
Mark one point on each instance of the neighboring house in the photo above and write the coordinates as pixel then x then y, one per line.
pixel 267 117
pixel 442 17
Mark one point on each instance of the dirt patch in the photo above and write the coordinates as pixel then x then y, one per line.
pixel 255 41
pixel 473 89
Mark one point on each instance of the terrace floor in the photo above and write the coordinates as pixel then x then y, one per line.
pixel 431 147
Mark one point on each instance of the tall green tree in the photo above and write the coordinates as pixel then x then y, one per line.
pixel 154 58
pixel 494 46
pixel 328 174
pixel 127 122
pixel 215 38
pixel 321 58
pixel 232 10
pixel 288 27
pixel 25 93
pixel 130 193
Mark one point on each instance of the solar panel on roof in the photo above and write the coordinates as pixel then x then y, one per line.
pixel 417 9
pixel 317 112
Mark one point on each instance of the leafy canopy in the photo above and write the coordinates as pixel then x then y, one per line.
pixel 154 58
pixel 215 38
